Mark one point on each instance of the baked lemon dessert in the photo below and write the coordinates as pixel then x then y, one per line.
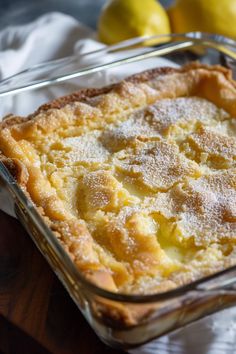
pixel 137 180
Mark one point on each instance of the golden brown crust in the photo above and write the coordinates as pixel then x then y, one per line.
pixel 100 193
pixel 16 168
pixel 85 94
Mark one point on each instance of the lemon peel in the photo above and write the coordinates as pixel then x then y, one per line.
pixel 212 16
pixel 124 19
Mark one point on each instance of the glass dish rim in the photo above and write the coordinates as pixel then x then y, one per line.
pixel 20 197
pixel 186 40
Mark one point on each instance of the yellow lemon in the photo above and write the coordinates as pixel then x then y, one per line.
pixel 124 19
pixel 212 16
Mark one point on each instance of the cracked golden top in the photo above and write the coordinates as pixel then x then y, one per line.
pixel 137 180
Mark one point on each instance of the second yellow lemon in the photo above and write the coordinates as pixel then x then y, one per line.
pixel 213 16
pixel 124 19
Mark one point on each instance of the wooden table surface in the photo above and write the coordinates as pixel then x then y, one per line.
pixel 36 313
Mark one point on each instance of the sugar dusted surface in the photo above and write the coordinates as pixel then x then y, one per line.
pixel 147 200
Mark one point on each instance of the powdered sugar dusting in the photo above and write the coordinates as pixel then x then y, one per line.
pixel 86 148
pixel 158 165
pixel 215 144
pixel 169 111
pixel 204 209
pixel 136 127
pixel 155 120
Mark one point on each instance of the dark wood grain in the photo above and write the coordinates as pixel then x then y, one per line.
pixel 36 313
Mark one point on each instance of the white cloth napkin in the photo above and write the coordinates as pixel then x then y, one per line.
pixel 56 35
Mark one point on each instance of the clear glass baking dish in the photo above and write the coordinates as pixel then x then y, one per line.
pixel 114 316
